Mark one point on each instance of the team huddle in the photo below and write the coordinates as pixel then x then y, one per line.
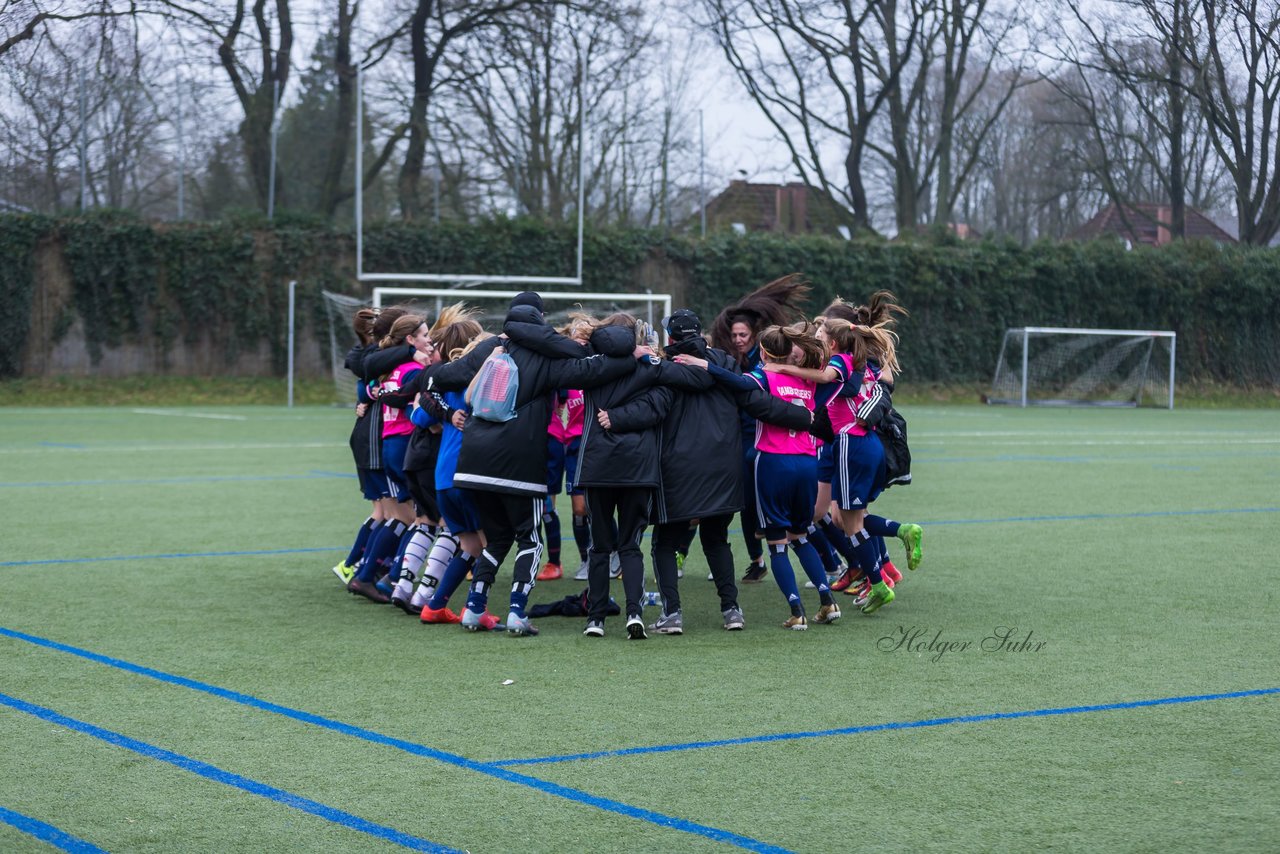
pixel 463 439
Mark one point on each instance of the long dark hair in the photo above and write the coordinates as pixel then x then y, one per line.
pixel 775 304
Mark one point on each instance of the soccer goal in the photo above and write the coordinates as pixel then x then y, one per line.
pixel 493 305
pixel 1052 366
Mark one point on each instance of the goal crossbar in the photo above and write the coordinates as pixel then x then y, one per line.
pixel 568 296
pixel 1064 330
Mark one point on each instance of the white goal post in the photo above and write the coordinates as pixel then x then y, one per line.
pixel 1059 366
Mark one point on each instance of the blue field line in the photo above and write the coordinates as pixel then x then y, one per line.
pixel 170 481
pixel 195 766
pixel 47 833
pixel 713 833
pixel 854 730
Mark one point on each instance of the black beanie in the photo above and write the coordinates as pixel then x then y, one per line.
pixel 527 298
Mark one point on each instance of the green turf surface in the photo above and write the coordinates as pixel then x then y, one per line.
pixel 1142 548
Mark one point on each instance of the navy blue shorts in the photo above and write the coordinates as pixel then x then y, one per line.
pixel 393 450
pixel 786 490
pixel 571 466
pixel 826 462
pixel 859 471
pixel 373 484
pixel 457 510
pixel 555 465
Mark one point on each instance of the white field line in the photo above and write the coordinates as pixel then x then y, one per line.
pixel 177 413
pixel 1129 443
pixel 101 449
pixel 989 434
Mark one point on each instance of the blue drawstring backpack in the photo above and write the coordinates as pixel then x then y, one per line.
pixel 492 393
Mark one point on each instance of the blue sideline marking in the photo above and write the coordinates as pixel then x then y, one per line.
pixel 606 804
pixel 853 730
pixel 167 556
pixel 167 481
pixel 59 839
pixel 354 822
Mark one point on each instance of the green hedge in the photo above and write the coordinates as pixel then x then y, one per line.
pixel 131 278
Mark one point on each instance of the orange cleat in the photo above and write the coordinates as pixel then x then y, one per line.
pixel 550 572
pixel 890 573
pixel 851 575
pixel 439 615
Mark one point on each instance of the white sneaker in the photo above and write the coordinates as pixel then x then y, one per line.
pixel 583 572
pixel 711 576
pixel 615 565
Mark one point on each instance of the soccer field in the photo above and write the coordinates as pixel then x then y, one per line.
pixel 1086 660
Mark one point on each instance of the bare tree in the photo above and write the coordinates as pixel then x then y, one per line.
pixel 23 20
pixel 1234 55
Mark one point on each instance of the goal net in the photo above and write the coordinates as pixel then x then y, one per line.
pixel 493 305
pixel 1051 366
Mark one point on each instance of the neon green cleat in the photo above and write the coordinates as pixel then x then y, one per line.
pixel 881 594
pixel 911 534
pixel 345 573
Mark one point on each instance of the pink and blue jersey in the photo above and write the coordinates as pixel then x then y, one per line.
pixel 395 422
pixel 779 440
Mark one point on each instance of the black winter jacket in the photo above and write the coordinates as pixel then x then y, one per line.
pixel 511 456
pixel 702 441
pixel 627 453
pixel 366 433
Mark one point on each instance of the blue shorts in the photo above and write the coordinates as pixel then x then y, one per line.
pixel 786 489
pixel 393 450
pixel 373 484
pixel 562 465
pixel 859 471
pixel 826 462
pixel 458 512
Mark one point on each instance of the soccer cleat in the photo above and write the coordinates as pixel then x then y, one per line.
pixel 439 615
pixel 384 587
pixel 594 629
pixel 911 535
pixel 860 592
pixel 755 573
pixel 345 573
pixel 403 605
pixel 796 624
pixel 635 628
pixel 550 572
pixel 890 573
pixel 615 565
pixel 809 585
pixel 880 596
pixel 473 622
pixel 680 565
pixel 827 614
pixel 669 624
pixel 584 571
pixel 367 590
pixel 520 626
pixel 850 576
pixel 733 621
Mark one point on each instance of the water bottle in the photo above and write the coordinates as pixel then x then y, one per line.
pixel 652 598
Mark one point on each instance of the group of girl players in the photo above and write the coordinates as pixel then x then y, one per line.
pixel 763 415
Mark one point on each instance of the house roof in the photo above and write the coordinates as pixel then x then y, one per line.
pixel 793 207
pixel 1147 224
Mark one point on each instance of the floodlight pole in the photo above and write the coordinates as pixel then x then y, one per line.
pixel 702 174
pixel 293 301
pixel 582 159
pixel 359 172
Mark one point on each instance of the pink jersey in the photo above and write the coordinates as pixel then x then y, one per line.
pixel 395 422
pixel 843 410
pixel 779 440
pixel 566 418
pixel 870 389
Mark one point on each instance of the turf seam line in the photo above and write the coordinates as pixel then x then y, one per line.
pixel 1155 514
pixel 212 772
pixel 47 833
pixel 173 481
pixel 490 770
pixel 897 725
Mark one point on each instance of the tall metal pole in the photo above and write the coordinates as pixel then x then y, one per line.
pixel 182 155
pixel 1173 352
pixel 271 177
pixel 293 301
pixel 702 174
pixel 582 159
pixel 359 171
pixel 84 154
pixel 1026 346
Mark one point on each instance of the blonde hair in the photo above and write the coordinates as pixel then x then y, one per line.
pixel 879 311
pixel 777 342
pixel 471 345
pixel 877 343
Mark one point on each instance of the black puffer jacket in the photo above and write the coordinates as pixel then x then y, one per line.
pixel 511 456
pixel 702 440
pixel 627 453
pixel 366 433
